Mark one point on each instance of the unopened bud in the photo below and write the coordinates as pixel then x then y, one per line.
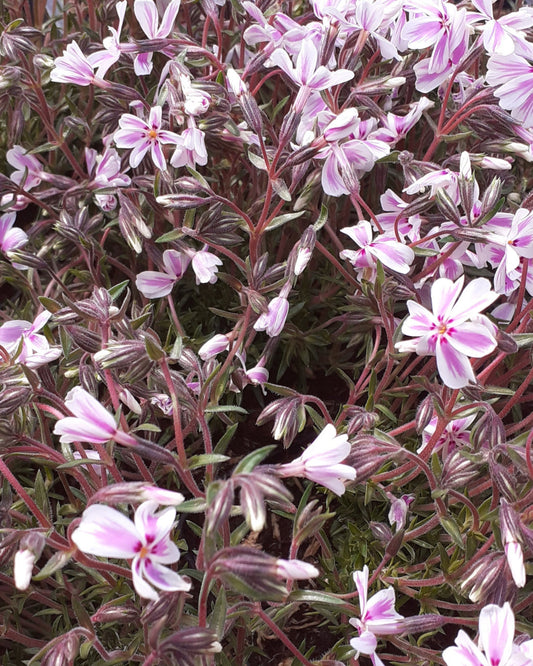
pixel 110 612
pixel 457 471
pixel 447 206
pixel 183 201
pixel 486 581
pixel 424 413
pixel 135 493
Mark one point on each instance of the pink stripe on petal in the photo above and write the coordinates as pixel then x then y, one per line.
pixel 158 157
pixel 153 284
pixel 361 583
pixel 83 405
pixel 147 16
pixel 420 322
pixel 381 606
pixel 444 294
pixel 454 368
pixel 394 255
pixel 164 578
pixel 138 152
pixel 142 588
pixel 477 296
pixel 472 340
pixel 106 532
pixel 73 429
pixel 496 632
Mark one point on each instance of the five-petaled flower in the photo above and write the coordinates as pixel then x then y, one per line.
pixel 449 332
pixel 142 136
pixel 106 532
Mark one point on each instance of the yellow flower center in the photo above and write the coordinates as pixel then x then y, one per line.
pixel 144 552
pixel 152 134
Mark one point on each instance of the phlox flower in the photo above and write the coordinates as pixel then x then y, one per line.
pixel 190 149
pixel 215 345
pixel 91 421
pixel 495 645
pixel 377 617
pixel 155 284
pixel 106 532
pixel 321 462
pixel 148 17
pixel 22 336
pixel 448 332
pixel 516 242
pixel 73 67
pixel 142 136
pixel 512 77
pixel 28 171
pixel 456 434
pixel 11 238
pixel 205 266
pixel 110 54
pixel 273 321
pixel 392 254
pixel 105 171
pixel 307 74
pixel 504 35
pixel 438 24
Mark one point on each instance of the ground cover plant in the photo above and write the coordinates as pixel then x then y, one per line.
pixel 265 349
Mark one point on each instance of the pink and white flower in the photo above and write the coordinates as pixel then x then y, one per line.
pixel 156 284
pixel 512 77
pixel 22 336
pixel 11 238
pixel 273 321
pixel 495 645
pixel 377 617
pixel 392 254
pixel 448 332
pixel 456 434
pixel 321 462
pixel 142 136
pixel 91 421
pixel 205 266
pixel 106 532
pixel 73 67
pixel 148 17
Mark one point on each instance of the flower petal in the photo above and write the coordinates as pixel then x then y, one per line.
pixel 106 532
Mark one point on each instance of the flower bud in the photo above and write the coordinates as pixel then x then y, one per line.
pixel 218 343
pixel 485 581
pixel 135 492
pixel 457 471
pixel 110 612
pixel 183 646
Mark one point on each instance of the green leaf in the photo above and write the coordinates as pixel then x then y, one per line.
pixel 49 303
pixel 192 506
pixel 322 218
pixel 115 291
pixel 170 236
pixel 453 530
pixel 258 162
pixel 218 617
pixel 226 438
pixel 280 188
pixel 253 459
pixel 315 597
pixel 204 459
pixel 280 220
pixel 214 409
